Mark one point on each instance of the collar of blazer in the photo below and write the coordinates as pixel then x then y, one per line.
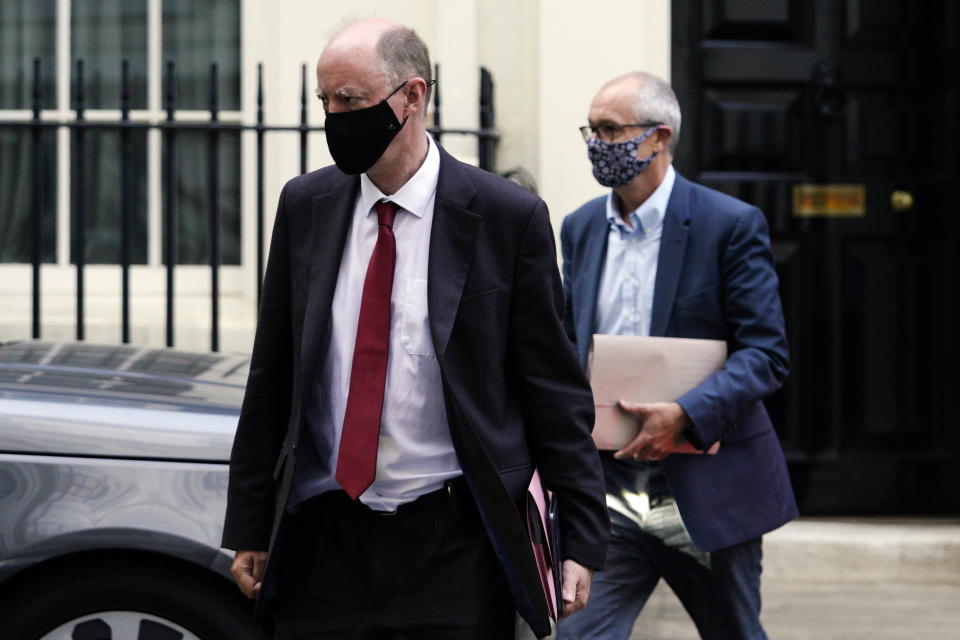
pixel 455 225
pixel 452 238
pixel 673 244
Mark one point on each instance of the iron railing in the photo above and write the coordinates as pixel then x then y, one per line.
pixel 169 127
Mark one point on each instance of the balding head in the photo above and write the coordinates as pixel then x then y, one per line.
pixel 652 100
pixel 383 48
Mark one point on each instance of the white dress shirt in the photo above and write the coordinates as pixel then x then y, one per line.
pixel 625 299
pixel 415 454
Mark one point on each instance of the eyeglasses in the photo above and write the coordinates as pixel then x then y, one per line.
pixel 611 132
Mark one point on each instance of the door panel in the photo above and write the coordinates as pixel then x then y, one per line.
pixel 772 20
pixel 746 130
pixel 860 92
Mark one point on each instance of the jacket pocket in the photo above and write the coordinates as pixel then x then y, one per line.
pixel 698 296
pixel 699 315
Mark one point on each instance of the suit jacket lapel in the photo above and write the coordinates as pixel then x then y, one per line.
pixel 452 239
pixel 673 244
pixel 593 257
pixel 330 220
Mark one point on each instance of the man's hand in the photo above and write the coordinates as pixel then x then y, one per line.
pixel 576 587
pixel 661 425
pixel 247 570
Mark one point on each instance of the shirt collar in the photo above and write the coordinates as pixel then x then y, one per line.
pixel 415 195
pixel 648 217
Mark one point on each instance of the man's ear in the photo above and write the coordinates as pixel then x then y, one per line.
pixel 415 92
pixel 664 133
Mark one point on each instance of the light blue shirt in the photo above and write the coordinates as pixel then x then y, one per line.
pixel 625 298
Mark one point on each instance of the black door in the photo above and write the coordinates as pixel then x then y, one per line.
pixel 781 94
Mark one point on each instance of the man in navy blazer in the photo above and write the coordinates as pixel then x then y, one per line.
pixel 662 256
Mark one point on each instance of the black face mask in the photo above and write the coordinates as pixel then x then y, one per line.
pixel 357 139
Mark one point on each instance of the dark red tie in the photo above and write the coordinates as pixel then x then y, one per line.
pixel 357 458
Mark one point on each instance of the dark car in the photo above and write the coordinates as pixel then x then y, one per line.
pixel 113 480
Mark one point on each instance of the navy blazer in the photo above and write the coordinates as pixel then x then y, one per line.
pixel 514 400
pixel 715 279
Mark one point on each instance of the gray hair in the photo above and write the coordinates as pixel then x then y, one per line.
pixel 404 55
pixel 655 102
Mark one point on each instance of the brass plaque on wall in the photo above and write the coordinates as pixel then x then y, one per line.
pixel 829 200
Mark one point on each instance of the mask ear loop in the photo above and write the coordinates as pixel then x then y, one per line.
pixel 646 134
pixel 643 138
pixel 390 95
pixel 395 90
pixel 429 84
pixel 652 130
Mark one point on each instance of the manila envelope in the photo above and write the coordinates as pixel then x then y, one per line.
pixel 645 369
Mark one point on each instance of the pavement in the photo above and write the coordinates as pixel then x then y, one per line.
pixel 840 579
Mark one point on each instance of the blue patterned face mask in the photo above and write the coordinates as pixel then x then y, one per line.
pixel 616 163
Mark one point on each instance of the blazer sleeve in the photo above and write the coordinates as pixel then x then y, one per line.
pixel 266 405
pixel 758 360
pixel 557 405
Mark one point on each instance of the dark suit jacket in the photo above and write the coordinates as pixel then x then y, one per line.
pixel 715 279
pixel 514 392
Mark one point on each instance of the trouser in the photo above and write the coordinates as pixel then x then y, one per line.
pixel 720 590
pixel 426 572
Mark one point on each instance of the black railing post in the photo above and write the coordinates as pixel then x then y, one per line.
pixel 80 205
pixel 304 129
pixel 213 174
pixel 169 201
pixel 486 141
pixel 260 194
pixel 436 103
pixel 126 198
pixel 36 188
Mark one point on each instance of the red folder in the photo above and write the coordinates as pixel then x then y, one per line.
pixel 543 530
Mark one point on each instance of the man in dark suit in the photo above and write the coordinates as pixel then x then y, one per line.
pixel 662 256
pixel 409 372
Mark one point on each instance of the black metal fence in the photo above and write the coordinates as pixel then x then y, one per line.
pixel 486 137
